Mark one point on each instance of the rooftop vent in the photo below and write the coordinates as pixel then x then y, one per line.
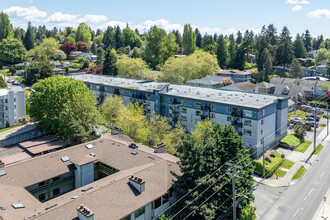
pixel 75 197
pixel 85 213
pixel 87 188
pixel 2 172
pixel 18 206
pixel 89 146
pixel 160 148
pixel 92 154
pixel 138 183
pixel 134 153
pixel 65 159
pixel 133 145
pixel 2 164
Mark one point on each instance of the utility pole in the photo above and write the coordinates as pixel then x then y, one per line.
pixel 263 157
pixel 328 121
pixel 315 127
pixel 234 166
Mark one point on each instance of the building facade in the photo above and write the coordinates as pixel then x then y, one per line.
pixel 260 119
pixel 12 106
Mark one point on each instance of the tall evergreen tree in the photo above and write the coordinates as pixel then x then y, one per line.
pixel 284 53
pixel 109 65
pixel 199 38
pixel 119 39
pixel 93 48
pixel 100 56
pixel 202 156
pixel 108 38
pixel 178 37
pixel 19 33
pixel 240 57
pixel 3 83
pixel 222 52
pixel 299 49
pixel 247 42
pixel 188 40
pixel 30 37
pixel 307 40
pixel 262 45
pixel 215 37
pixel 296 71
pixel 208 44
pixel 232 54
pixel 271 34
pixel 239 38
pixel 268 66
pixel 6 29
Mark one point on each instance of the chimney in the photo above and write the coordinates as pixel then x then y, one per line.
pixel 138 183
pixel 117 130
pixel 2 164
pixel 160 148
pixel 85 213
pixel 133 146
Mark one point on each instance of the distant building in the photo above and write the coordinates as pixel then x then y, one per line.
pixel 208 81
pixel 243 87
pixel 312 53
pixel 266 88
pixel 236 75
pixel 306 62
pixel 109 178
pixel 12 105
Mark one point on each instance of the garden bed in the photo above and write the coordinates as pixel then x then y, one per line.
pixel 304 146
pixel 286 164
pixel 299 173
pixel 318 149
pixel 269 166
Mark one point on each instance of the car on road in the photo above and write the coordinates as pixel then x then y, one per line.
pixel 296 120
pixel 311 123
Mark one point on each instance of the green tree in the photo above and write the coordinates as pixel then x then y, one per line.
pixel 248 42
pixel 100 56
pixel 268 67
pixel 232 51
pixel 38 70
pixel 240 57
pixel 188 40
pixel 69 39
pixel 248 213
pixel 12 51
pixel 119 39
pixel 131 38
pixel 109 65
pixel 178 37
pixel 19 33
pixel 108 38
pixel 199 38
pixel 83 33
pixel 66 106
pixel 307 40
pixel 111 109
pixel 208 44
pixel 3 83
pixel 222 52
pixel 6 29
pixel 299 48
pixel 203 156
pixel 262 50
pixel 93 48
pixel 239 38
pixel 284 54
pixel 322 54
pixel 194 66
pixel 160 46
pixel 296 71
pixel 98 39
pixel 136 53
pixel 328 67
pixel 30 37
pixel 134 68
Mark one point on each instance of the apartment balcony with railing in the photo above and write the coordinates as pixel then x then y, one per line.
pixel 237 113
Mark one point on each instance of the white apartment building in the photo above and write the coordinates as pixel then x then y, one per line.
pixel 12 106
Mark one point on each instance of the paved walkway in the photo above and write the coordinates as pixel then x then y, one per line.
pixel 323 211
pixel 299 159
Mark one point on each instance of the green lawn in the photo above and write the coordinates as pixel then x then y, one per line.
pixel 4 72
pixel 269 167
pixel 291 140
pixel 297 113
pixel 287 164
pixel 299 173
pixel 6 129
pixel 323 125
pixel 303 147
pixel 318 149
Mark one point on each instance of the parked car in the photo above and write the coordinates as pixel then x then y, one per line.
pixel 312 116
pixel 311 123
pixel 291 126
pixel 296 120
pixel 16 83
pixel 10 81
pixel 309 119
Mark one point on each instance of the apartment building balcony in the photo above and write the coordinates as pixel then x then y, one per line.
pixel 203 117
pixel 139 96
pixel 206 108
pixel 236 123
pixel 237 114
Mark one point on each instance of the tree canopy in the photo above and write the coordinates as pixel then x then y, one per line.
pixel 38 70
pixel 134 68
pixel 6 29
pixel 65 106
pixel 83 33
pixel 12 51
pixel 110 59
pixel 188 40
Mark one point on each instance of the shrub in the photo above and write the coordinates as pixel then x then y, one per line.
pixel 79 60
pixel 272 154
pixel 12 70
pixel 268 159
pixel 95 70
pixel 24 119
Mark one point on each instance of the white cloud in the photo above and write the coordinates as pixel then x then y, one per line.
pixel 93 19
pixel 296 8
pixel 31 13
pixel 319 13
pixel 161 23
pixel 298 2
pixel 29 1
pixel 59 17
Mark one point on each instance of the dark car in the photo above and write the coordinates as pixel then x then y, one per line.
pixel 311 123
pixel 309 119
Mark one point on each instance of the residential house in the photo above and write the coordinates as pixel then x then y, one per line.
pixel 66 64
pixel 312 53
pixel 243 87
pixel 266 88
pixel 306 62
pixel 261 119
pixel 236 75
pixel 208 81
pixel 108 178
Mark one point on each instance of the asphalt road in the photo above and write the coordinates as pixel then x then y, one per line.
pixel 301 200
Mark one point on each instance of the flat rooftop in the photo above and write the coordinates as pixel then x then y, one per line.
pixel 235 98
pixel 112 194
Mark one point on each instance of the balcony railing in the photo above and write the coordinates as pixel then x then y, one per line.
pixel 236 114
pixel 237 123
pixel 206 108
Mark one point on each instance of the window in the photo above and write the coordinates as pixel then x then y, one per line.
pixel 56 191
pixel 198 113
pixel 148 95
pixel 228 118
pixel 41 183
pixel 228 109
pixel 6 107
pixel 184 110
pixel 14 106
pixel 6 100
pixel 263 112
pixel 165 198
pixel 247 132
pixel 262 141
pixel 183 118
pixel 184 102
pixel 197 104
pixel 127 218
pixel 247 122
pixel 139 212
pixel 97 87
pixel 247 113
pixel 158 202
pixel 262 131
pixel 14 99
pixel 212 115
pixel 262 121
pixel 56 178
pixel 213 107
pixel 42 197
pixel 171 99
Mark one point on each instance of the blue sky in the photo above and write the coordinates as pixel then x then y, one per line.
pixel 212 16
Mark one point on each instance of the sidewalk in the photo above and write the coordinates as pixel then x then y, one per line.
pixel 299 159
pixel 323 212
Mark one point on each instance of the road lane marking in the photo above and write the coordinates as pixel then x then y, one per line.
pixel 296 213
pixel 322 173
pixel 305 198
pixel 315 182
pixel 310 192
